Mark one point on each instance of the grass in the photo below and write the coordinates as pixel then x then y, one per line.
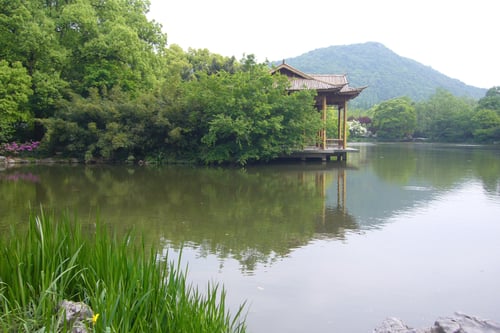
pixel 125 283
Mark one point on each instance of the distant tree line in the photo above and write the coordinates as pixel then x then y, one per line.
pixel 443 117
pixel 95 80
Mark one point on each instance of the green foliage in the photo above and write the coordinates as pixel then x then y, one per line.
pixel 445 117
pixel 394 119
pixel 491 100
pixel 104 86
pixel 486 125
pixel 96 81
pixel 125 283
pixel 247 116
pixel 15 89
pixel 486 121
pixel 202 61
pixel 114 127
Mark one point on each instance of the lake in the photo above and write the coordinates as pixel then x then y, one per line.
pixel 403 230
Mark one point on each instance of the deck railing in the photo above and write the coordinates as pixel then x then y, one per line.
pixel 335 143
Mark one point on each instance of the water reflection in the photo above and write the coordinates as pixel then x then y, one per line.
pixel 406 230
pixel 254 215
pixel 396 178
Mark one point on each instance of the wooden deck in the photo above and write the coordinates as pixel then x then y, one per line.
pixel 316 153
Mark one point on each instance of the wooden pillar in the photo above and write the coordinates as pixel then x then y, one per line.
pixel 323 117
pixel 339 128
pixel 344 142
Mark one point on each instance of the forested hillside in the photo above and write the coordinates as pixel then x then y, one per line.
pixel 386 74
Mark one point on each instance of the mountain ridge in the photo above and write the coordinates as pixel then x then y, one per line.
pixel 385 73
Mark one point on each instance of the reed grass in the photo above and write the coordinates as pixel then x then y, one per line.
pixel 125 283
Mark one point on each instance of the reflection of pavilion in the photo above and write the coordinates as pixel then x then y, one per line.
pixel 333 221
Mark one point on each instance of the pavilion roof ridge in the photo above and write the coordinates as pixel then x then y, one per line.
pixel 294 70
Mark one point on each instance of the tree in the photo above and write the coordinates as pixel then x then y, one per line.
pixel 246 116
pixel 395 118
pixel 445 117
pixel 112 127
pixel 486 121
pixel 15 89
pixel 491 100
pixel 486 125
pixel 111 44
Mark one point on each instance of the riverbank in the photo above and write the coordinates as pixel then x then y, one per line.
pixel 13 161
pixel 127 286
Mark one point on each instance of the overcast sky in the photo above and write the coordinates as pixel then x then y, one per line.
pixel 460 39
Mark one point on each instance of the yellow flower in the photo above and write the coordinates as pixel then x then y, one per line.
pixel 94 318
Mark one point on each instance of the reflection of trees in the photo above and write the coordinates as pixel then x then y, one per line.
pixel 393 163
pixel 255 215
pixel 18 191
pixel 441 166
pixel 487 168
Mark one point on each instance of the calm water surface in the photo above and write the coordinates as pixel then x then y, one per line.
pixel 405 230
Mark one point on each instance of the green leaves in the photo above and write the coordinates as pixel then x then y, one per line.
pixel 15 89
pixel 395 118
pixel 445 117
pixel 246 116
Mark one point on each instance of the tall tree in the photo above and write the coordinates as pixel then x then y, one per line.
pixel 486 121
pixel 246 116
pixel 491 100
pixel 445 117
pixel 15 89
pixel 395 118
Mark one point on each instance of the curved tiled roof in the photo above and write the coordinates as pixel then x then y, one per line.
pixel 299 84
pixel 318 82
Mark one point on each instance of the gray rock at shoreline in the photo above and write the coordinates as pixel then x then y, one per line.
pixel 16 160
pixel 77 314
pixel 395 325
pixel 459 323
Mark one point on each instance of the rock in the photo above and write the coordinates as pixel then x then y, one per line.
pixel 47 160
pixel 394 325
pixel 462 323
pixel 15 160
pixel 77 314
pixel 459 323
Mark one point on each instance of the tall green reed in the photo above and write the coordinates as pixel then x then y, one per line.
pixel 119 277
